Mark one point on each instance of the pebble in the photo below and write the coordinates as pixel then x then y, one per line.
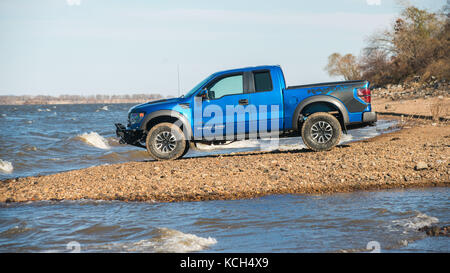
pixel 421 166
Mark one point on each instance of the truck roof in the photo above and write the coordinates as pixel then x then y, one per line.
pixel 261 67
pixel 248 68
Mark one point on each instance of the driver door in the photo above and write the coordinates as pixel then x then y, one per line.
pixel 219 121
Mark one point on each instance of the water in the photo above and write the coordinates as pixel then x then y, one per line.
pixel 37 140
pixel 45 139
pixel 279 223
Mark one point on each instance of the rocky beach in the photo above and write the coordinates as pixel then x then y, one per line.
pixel 414 99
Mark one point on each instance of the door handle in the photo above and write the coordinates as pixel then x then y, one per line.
pixel 243 102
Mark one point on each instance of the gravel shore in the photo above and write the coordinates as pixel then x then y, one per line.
pixel 416 156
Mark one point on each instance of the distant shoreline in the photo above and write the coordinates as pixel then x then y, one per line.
pixel 79 102
pixel 77 99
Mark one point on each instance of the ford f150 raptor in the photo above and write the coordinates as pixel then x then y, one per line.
pixel 245 103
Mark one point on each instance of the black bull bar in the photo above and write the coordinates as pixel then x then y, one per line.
pixel 131 137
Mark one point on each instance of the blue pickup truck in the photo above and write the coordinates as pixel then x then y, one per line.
pixel 252 102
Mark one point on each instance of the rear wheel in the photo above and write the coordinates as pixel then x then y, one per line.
pixel 166 141
pixel 321 131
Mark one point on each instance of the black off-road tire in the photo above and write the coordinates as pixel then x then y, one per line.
pixel 166 141
pixel 186 149
pixel 321 131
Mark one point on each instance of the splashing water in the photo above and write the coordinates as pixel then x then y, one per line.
pixel 6 166
pixel 166 240
pixel 96 140
pixel 415 222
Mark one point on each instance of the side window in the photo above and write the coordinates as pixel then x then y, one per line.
pixel 263 81
pixel 230 85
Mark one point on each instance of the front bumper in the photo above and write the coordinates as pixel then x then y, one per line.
pixel 132 137
pixel 369 117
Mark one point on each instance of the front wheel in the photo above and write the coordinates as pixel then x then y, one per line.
pixel 321 132
pixel 166 141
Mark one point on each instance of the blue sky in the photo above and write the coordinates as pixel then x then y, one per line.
pixel 89 47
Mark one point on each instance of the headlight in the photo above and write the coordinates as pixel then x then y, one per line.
pixel 136 117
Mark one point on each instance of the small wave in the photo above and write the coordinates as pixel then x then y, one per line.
pixel 166 240
pixel 170 240
pixel 418 221
pixel 6 166
pixel 96 140
pixel 104 108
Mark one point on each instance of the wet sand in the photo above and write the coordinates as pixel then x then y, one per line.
pixel 416 156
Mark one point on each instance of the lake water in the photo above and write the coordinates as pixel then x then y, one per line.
pixel 345 222
pixel 47 139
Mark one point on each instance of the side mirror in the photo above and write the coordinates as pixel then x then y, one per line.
pixel 211 95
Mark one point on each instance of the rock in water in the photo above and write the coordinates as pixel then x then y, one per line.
pixel 436 230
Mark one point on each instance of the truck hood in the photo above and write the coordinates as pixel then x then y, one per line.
pixel 145 106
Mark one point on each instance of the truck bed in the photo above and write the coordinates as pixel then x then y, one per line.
pixel 325 84
pixel 342 93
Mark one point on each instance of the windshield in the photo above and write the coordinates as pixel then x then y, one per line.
pixel 197 86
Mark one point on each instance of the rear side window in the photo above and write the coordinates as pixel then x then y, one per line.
pixel 263 82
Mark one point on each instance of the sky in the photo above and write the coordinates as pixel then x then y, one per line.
pixel 87 47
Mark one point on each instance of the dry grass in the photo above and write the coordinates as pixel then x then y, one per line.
pixel 438 109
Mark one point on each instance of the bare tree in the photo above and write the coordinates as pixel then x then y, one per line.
pixel 345 66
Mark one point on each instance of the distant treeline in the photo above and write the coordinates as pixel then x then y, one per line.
pixel 67 99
